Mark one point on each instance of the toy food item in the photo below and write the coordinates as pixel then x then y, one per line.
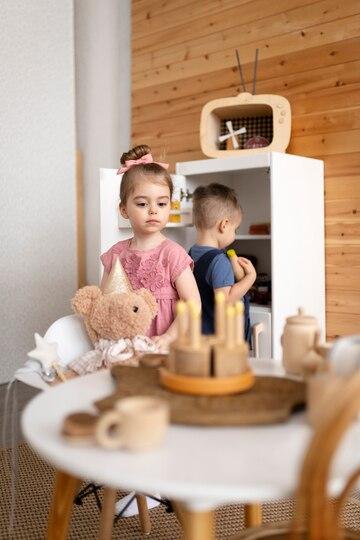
pixel 256 142
pixel 239 272
pixel 79 426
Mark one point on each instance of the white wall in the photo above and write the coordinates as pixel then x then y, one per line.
pixel 37 150
pixel 102 50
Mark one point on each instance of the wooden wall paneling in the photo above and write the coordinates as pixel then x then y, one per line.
pixel 331 87
pixel 341 165
pixel 294 41
pixel 342 208
pixel 326 143
pixel 337 97
pixel 343 231
pixel 342 278
pixel 339 301
pixel 324 99
pixel 161 127
pixel 282 67
pixel 267 27
pixel 342 187
pixel 210 24
pixel 346 256
pixel 160 18
pixel 341 324
pixel 309 52
pixel 177 143
pixel 195 40
pixel 345 119
pixel 173 158
pixel 145 9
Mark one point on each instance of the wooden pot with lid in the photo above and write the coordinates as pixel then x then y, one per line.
pixel 300 337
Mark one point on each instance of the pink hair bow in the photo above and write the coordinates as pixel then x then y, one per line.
pixel 144 159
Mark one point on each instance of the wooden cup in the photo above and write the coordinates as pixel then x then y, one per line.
pixel 136 423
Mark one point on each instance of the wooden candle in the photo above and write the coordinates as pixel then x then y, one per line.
pixel 239 323
pixel 181 321
pixel 230 327
pixel 195 324
pixel 220 315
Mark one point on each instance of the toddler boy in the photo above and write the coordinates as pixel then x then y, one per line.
pixel 217 214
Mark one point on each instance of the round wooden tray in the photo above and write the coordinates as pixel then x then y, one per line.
pixel 270 400
pixel 206 386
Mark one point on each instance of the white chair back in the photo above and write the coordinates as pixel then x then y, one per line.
pixel 72 340
pixel 70 335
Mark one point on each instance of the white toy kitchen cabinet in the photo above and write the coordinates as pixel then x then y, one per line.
pixel 284 190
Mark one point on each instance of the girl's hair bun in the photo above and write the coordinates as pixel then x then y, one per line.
pixel 135 153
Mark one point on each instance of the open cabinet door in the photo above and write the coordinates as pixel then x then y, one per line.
pixel 297 233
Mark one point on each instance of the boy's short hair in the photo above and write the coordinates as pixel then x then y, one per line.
pixel 212 203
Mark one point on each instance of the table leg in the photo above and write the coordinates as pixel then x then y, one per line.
pixel 144 515
pixel 61 505
pixel 107 514
pixel 253 515
pixel 197 525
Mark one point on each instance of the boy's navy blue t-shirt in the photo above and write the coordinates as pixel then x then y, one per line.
pixel 219 273
pixel 213 270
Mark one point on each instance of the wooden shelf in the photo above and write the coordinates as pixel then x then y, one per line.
pixel 253 237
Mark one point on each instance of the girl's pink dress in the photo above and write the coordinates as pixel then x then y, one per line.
pixel 156 270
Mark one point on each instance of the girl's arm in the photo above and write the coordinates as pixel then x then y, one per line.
pixel 187 289
pixel 186 286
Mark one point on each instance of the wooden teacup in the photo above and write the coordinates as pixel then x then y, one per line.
pixel 136 423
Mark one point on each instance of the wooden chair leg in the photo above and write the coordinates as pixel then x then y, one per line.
pixel 144 515
pixel 196 525
pixel 61 506
pixel 107 514
pixel 178 509
pixel 253 515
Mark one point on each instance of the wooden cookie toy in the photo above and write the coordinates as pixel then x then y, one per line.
pixel 80 426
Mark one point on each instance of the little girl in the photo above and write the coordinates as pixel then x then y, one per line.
pixel 149 258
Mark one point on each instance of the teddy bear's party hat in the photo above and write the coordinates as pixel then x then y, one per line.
pixel 117 281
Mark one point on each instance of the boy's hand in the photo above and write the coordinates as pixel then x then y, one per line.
pixel 248 267
pixel 163 342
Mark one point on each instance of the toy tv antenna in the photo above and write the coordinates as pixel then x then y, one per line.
pixel 242 80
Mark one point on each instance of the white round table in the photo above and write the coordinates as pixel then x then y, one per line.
pixel 202 467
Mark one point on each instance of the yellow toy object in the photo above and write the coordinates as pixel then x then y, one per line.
pixel 239 272
pixel 209 365
pixel 264 122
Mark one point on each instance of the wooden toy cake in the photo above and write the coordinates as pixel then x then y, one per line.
pixel 209 365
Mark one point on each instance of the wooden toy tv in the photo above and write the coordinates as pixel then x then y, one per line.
pixel 245 124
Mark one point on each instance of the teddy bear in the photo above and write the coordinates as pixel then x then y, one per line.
pixel 116 318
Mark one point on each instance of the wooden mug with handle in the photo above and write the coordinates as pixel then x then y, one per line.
pixel 136 423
